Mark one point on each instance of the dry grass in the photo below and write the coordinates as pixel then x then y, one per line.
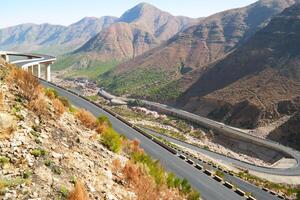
pixel 116 165
pixel 58 107
pixel 28 86
pixel 101 128
pixel 79 192
pixel 40 107
pixel 87 119
pixel 7 133
pixel 144 185
pixel 1 101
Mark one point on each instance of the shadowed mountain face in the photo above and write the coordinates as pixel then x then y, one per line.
pixel 198 46
pixel 257 83
pixel 138 30
pixel 52 38
pixel 288 133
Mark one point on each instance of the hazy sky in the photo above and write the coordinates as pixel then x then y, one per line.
pixel 65 12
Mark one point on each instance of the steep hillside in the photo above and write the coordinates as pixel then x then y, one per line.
pixel 288 133
pixel 194 48
pixel 48 146
pixel 118 42
pixel 257 83
pixel 52 38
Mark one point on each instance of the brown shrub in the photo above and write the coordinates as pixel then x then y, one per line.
pixel 116 164
pixel 87 119
pixel 58 107
pixel 135 146
pixel 50 94
pixel 101 128
pixel 143 185
pixel 79 192
pixel 1 101
pixel 28 86
pixel 40 107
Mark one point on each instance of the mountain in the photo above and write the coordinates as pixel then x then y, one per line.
pixel 155 21
pixel 119 41
pixel 29 36
pixel 256 84
pixel 139 29
pixel 51 38
pixel 193 48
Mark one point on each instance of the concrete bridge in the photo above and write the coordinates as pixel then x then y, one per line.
pixel 31 62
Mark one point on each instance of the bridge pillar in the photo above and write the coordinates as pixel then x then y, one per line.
pixel 30 69
pixel 48 72
pixel 5 57
pixel 38 71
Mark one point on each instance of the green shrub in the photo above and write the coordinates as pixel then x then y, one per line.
pixel 171 180
pixel 193 195
pixel 56 170
pixel 112 140
pixel 220 174
pixel 38 152
pixel 72 109
pixel 51 93
pixel 185 186
pixel 48 162
pixel 64 191
pixel 104 120
pixel 64 101
pixel 136 102
pixel 155 169
pixel 27 174
pixel 4 160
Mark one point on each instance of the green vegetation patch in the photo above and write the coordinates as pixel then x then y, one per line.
pixel 112 140
pixel 139 82
pixel 83 66
pixel 38 152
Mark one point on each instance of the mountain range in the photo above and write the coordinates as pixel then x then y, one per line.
pixel 238 66
pixel 192 49
pixel 53 39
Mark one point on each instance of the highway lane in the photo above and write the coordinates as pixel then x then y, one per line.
pixel 209 188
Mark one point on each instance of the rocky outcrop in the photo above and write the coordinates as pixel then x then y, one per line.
pixel 288 133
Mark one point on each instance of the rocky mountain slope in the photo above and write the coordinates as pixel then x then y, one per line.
pixel 139 29
pixel 52 38
pixel 118 42
pixel 256 84
pixel 288 133
pixel 194 48
pixel 47 146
